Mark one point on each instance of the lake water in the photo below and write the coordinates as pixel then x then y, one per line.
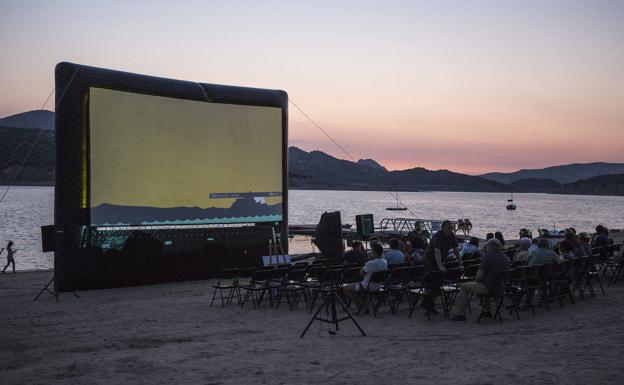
pixel 25 209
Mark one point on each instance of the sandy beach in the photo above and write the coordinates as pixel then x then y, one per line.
pixel 168 334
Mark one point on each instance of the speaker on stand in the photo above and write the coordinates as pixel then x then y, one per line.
pixel 328 238
pixel 53 238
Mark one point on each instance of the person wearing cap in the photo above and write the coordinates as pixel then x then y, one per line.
pixel 523 250
pixel 486 280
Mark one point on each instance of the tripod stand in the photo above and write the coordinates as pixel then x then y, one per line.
pixel 328 238
pixel 329 303
pixel 54 291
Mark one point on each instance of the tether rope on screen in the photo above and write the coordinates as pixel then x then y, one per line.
pixel 34 142
pixel 339 146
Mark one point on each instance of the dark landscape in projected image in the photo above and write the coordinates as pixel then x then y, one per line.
pixel 245 208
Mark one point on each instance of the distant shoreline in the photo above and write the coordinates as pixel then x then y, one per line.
pixel 327 188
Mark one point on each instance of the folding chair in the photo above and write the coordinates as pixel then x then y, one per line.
pixel 429 286
pixel 413 283
pixel 377 292
pixel 450 288
pixel 469 273
pixel 545 287
pixel 579 276
pixel 258 286
pixel 592 274
pixel 398 286
pixel 228 280
pixel 517 288
pixel 533 285
pixel 560 284
pixel 498 295
pixel 293 289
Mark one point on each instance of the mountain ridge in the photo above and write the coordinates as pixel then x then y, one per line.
pixel 566 173
pixel 41 119
pixel 318 170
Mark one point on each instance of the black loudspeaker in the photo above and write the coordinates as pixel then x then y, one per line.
pixel 52 238
pixel 364 224
pixel 328 236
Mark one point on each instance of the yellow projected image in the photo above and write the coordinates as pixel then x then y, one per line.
pixel 165 153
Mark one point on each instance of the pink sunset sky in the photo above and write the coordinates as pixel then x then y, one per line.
pixel 470 86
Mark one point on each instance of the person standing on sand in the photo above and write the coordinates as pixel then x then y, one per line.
pixel 10 256
pixel 435 256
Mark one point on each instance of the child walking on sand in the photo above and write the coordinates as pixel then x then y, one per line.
pixel 10 256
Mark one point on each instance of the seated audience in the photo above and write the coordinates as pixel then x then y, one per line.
pixel 470 248
pixel 486 281
pixel 543 254
pixel 522 254
pixel 566 249
pixel 394 256
pixel 573 239
pixel 498 235
pixel 584 240
pixel 488 236
pixel 534 246
pixel 356 254
pixel 417 251
pixel 601 238
pixel 370 242
pixel 372 266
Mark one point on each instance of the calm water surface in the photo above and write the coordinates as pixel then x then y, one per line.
pixel 25 209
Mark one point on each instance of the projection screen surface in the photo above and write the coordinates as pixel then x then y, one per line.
pixel 164 161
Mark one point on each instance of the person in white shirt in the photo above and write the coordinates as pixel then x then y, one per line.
pixel 372 266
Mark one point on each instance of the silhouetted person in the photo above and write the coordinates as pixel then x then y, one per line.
pixel 498 235
pixel 10 256
pixel 394 256
pixel 356 254
pixel 435 257
pixel 486 280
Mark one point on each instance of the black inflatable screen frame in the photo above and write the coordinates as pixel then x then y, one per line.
pixel 73 81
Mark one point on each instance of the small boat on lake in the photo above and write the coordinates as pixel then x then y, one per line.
pixel 399 205
pixel 510 204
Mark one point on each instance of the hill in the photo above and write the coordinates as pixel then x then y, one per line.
pixel 317 170
pixel 538 185
pixel 15 144
pixel 42 119
pixel 599 185
pixel 563 174
pixel 371 163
